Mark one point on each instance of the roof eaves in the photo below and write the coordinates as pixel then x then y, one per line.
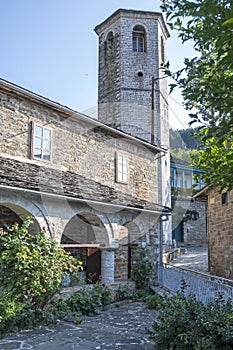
pixel 70 112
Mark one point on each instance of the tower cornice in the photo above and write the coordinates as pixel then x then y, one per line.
pixel 120 13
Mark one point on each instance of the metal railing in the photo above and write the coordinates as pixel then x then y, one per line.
pixel 205 287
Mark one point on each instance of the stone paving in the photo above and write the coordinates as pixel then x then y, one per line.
pixel 195 258
pixel 117 328
pixel 124 327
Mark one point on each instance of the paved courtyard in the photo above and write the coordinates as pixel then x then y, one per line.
pixel 117 328
pixel 195 258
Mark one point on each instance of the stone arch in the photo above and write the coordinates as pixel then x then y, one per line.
pixel 23 207
pixel 84 235
pixel 11 213
pixel 110 44
pixel 8 216
pixel 134 232
pixel 86 228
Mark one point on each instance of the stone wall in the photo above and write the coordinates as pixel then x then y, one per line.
pixel 82 172
pixel 79 146
pixel 220 234
pixel 195 229
pixel 121 263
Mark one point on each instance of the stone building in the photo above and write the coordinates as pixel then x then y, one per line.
pixel 98 187
pixel 132 93
pixel 188 216
pixel 220 230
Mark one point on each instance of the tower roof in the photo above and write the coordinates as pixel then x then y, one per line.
pixel 132 13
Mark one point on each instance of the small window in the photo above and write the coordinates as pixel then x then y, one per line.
pixel 41 148
pixel 139 39
pixel 162 50
pixel 110 43
pixel 122 168
pixel 224 198
pixel 109 47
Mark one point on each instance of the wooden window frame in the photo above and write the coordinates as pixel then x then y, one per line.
pixel 120 173
pixel 33 136
pixel 138 34
pixel 224 198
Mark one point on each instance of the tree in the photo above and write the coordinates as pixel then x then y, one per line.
pixel 32 269
pixel 207 79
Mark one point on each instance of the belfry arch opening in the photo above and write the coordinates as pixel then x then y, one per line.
pixel 139 39
pixel 83 237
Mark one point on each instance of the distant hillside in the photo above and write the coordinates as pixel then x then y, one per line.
pixel 183 139
pixel 184 146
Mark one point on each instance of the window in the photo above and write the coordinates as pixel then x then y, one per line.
pixel 109 47
pixel 110 44
pixel 139 42
pixel 224 198
pixel 41 142
pixel 162 50
pixel 122 168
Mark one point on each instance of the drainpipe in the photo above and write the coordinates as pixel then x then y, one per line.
pixel 163 218
pixel 160 241
pixel 153 111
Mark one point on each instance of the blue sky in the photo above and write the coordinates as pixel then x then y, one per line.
pixel 50 48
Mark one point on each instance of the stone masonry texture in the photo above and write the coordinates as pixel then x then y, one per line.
pixel 82 166
pixel 78 149
pixel 220 234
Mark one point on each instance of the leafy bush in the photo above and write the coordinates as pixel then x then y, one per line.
pixel 140 295
pixel 105 293
pixel 89 300
pixel 123 292
pixel 16 315
pixel 154 301
pixel 59 309
pixel 32 270
pixel 185 323
pixel 142 266
pixel 85 301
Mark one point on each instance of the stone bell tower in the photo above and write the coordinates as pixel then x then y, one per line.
pixel 132 90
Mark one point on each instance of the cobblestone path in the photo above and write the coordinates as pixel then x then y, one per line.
pixel 117 328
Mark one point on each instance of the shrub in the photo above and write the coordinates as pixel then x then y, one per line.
pixel 185 323
pixel 32 270
pixel 85 301
pixel 60 309
pixel 16 315
pixel 140 295
pixel 105 293
pixel 123 292
pixel 154 301
pixel 90 299
pixel 142 266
